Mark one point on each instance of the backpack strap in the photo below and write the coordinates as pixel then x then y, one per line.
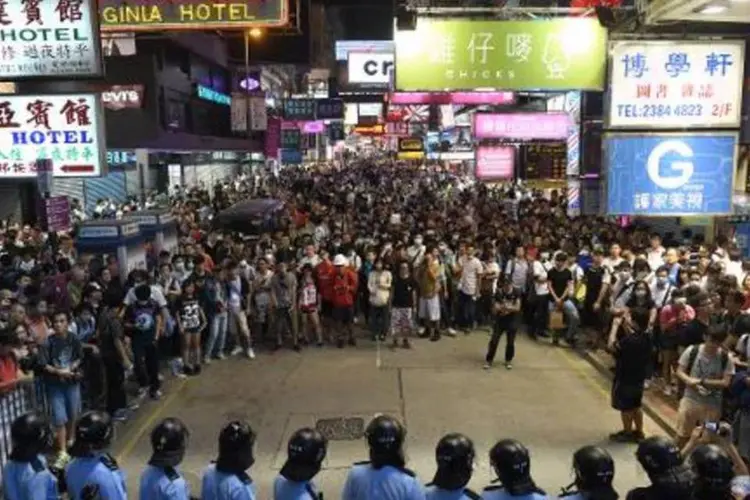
pixel 667 294
pixel 742 344
pixel 691 358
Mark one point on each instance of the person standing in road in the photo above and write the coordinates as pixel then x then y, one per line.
pixel 507 310
pixel 161 480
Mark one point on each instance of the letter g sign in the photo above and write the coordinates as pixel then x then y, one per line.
pixel 683 170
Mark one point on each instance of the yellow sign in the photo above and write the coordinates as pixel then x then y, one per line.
pixel 372 130
pixel 410 144
pixel 152 15
pixel 413 155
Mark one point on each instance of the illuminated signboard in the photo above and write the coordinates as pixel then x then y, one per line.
pixel 153 15
pixel 208 94
pixel 410 144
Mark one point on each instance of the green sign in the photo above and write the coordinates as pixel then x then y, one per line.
pixel 555 54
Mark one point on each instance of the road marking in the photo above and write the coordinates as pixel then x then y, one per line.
pixel 577 365
pixel 146 426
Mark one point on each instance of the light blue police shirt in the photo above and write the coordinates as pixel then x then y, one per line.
pixel 432 492
pixel 387 483
pixel 499 493
pixel 156 484
pixel 100 470
pixel 220 486
pixel 29 481
pixel 284 489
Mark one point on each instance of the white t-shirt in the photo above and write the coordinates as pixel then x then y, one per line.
pixel 539 271
pixel 655 258
pixel 471 267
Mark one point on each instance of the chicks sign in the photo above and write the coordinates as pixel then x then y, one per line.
pixel 153 15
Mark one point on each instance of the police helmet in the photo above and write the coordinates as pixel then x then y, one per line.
pixel 94 431
pixel 385 438
pixel 594 470
pixel 713 469
pixel 455 461
pixel 236 441
pixel 168 442
pixel 305 453
pixel 512 463
pixel 31 434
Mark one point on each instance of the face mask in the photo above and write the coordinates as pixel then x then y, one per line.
pixel 418 241
pixel 189 265
pixel 625 274
pixel 640 293
pixel 584 253
pixel 662 281
pixel 681 301
pixel 180 266
pixel 544 256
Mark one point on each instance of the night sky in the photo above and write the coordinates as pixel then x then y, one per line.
pixel 368 22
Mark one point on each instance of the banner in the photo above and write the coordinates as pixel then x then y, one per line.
pixel 370 67
pixel 258 116
pixel 239 111
pixel 676 84
pixel 329 109
pixel 291 138
pixel 49 39
pixel 158 15
pixel 495 162
pixel 555 54
pixel 119 97
pixel 66 129
pixel 522 126
pixel 273 138
pixel 670 174
pixel 291 157
pixel 299 109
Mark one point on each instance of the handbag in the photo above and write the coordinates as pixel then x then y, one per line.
pixel 556 320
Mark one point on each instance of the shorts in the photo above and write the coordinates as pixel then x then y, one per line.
pixel 326 309
pixel 627 395
pixel 65 403
pixel 401 320
pixel 429 309
pixel 669 342
pixel 691 414
pixel 344 315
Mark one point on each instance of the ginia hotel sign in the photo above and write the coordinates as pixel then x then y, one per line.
pixel 147 15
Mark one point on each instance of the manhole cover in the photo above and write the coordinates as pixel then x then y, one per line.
pixel 341 429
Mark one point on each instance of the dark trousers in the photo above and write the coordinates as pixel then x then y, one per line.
pixel 146 361
pixel 467 307
pixel 540 317
pixel 93 382
pixel 484 308
pixel 509 327
pixel 115 376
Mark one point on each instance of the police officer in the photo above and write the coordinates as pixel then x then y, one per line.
pixel 511 462
pixel 227 478
pixel 455 465
pixel 305 453
pixel 594 471
pixel 26 475
pixel 93 473
pixel 714 471
pixel 384 476
pixel 161 480
pixel 670 478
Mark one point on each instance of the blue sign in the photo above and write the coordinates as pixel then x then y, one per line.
pixel 291 157
pixel 208 94
pixel 670 174
pixel 742 238
pixel 119 157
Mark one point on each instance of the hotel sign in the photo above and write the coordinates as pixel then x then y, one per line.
pixel 156 15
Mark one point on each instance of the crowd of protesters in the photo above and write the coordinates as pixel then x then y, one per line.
pixel 384 253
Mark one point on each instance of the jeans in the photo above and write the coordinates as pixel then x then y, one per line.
pixel 379 320
pixel 502 325
pixel 146 361
pixel 467 307
pixel 64 401
pixel 572 318
pixel 217 335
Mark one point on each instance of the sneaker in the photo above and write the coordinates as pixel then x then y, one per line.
pixel 187 371
pixel 646 384
pixel 155 395
pixel 487 366
pixel 296 348
pixel 221 356
pixel 121 415
pixel 197 370
pixel 620 436
pixel 61 460
pixel 250 353
pixel 406 344
pixel 142 391
pixel 206 360
pixel 508 365
pixel 177 366
pixel 237 349
pixel 435 337
pixel 667 390
pixel 421 330
pixel 451 332
pixel 637 436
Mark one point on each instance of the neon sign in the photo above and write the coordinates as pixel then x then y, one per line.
pixel 211 95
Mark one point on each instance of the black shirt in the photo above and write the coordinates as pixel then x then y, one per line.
pixel 507 298
pixel 632 357
pixel 188 309
pixel 693 332
pixel 594 277
pixel 403 292
pixel 559 280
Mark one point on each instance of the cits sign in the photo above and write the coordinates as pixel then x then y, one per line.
pixel 120 97
pixel 65 129
pixel 49 39
pixel 370 67
pixel 458 54
pixel 670 174
pixel 157 15
pixel 208 94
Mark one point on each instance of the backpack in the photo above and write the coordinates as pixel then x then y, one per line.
pixel 694 350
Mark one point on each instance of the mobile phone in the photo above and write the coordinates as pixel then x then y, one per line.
pixel 711 427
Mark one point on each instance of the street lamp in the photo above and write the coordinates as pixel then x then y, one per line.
pixel 255 33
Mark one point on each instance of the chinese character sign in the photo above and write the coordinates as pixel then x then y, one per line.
pixel 556 54
pixel 670 174
pixel 676 84
pixel 522 126
pixel 49 38
pixel 299 109
pixel 65 129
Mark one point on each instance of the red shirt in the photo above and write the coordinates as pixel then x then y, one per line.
pixel 8 373
pixel 344 287
pixel 324 273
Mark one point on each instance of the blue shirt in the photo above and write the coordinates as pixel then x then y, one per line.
pixel 284 489
pixel 220 486
pixel 29 481
pixel 388 483
pixel 434 493
pixel 501 494
pixel 100 470
pixel 157 485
